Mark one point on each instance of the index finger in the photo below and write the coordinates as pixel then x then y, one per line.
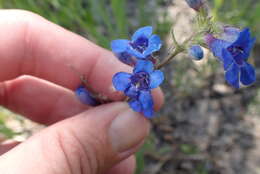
pixel 34 46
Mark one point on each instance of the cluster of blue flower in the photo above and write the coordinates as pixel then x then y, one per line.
pixel 138 85
pixel 231 46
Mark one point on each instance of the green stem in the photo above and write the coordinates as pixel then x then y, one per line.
pixel 178 50
pixel 174 39
pixel 170 57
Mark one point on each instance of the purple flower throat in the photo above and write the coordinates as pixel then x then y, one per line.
pixel 140 44
pixel 236 51
pixel 141 80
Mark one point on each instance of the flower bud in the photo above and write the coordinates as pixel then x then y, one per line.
pixel 85 96
pixel 196 52
pixel 195 4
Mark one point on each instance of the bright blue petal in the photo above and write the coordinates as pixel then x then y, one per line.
pixel 85 96
pixel 146 100
pixel 119 46
pixel 227 59
pixel 248 48
pixel 247 76
pixel 132 92
pixel 243 38
pixel 154 45
pixel 136 53
pixel 245 42
pixel 143 32
pixel 156 78
pixel 217 46
pixel 135 105
pixel 121 81
pixel 196 52
pixel 148 113
pixel 230 34
pixel 232 75
pixel 143 66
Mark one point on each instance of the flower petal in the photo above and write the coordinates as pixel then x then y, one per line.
pixel 247 75
pixel 156 78
pixel 248 48
pixel 232 75
pixel 121 81
pixel 136 53
pixel 217 46
pixel 144 31
pixel 132 92
pixel 148 113
pixel 126 58
pixel 227 58
pixel 245 42
pixel 135 105
pixel 230 34
pixel 85 96
pixel 154 44
pixel 146 100
pixel 244 37
pixel 119 46
pixel 143 65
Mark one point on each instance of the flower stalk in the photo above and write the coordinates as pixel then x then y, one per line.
pixel 167 60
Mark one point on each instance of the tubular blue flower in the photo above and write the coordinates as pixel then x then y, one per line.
pixel 143 43
pixel 233 49
pixel 195 4
pixel 137 86
pixel 196 52
pixel 85 96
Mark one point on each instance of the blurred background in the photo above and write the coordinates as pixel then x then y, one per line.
pixel 205 126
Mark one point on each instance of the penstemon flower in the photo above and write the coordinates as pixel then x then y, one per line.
pixel 143 43
pixel 233 50
pixel 137 86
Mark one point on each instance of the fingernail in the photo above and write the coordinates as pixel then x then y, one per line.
pixel 128 130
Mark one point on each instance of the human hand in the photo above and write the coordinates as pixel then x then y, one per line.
pixel 79 139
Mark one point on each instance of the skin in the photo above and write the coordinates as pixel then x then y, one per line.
pixel 36 80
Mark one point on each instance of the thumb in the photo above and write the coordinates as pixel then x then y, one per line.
pixel 89 143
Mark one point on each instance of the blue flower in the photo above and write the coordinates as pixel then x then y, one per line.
pixel 124 56
pixel 85 96
pixel 233 49
pixel 137 86
pixel 196 52
pixel 195 4
pixel 141 46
